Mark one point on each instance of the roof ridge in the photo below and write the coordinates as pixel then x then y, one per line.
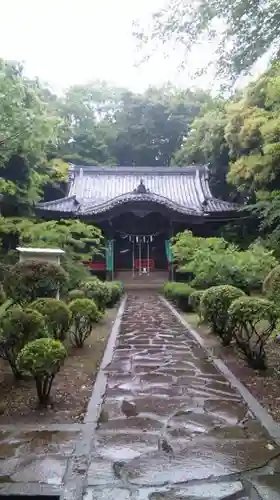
pixel 164 170
pixel 51 202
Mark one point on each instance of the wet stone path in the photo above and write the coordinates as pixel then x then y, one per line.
pixel 171 426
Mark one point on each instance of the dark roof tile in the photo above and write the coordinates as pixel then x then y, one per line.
pixel 97 189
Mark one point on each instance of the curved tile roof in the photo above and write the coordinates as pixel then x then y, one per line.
pixel 94 190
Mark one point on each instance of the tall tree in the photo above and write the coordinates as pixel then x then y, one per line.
pixel 150 127
pixel 206 144
pixel 87 112
pixel 114 126
pixel 242 30
pixel 28 128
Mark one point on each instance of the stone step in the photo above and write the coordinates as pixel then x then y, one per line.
pixel 153 281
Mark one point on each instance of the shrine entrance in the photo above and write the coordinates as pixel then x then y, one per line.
pixel 141 254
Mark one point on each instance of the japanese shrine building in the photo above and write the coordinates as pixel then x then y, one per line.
pixel 138 210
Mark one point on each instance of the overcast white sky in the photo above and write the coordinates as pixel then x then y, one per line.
pixel 74 41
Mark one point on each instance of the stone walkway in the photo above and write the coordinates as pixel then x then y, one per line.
pixel 171 426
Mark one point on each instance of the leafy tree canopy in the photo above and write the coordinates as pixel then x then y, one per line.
pixel 242 31
pixel 28 128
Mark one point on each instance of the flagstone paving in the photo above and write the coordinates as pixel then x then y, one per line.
pixel 171 425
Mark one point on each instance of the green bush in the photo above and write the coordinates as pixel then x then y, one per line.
pixel 115 290
pixel 179 293
pixel 219 270
pixel 85 314
pixel 43 359
pixel 26 281
pixel 76 294
pixel 214 309
pixel 2 295
pixel 214 261
pixel 194 301
pixel 57 315
pixel 98 291
pixel 252 321
pixel 77 272
pixel 18 327
pixel 271 285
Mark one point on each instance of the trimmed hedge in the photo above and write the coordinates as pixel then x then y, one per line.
pixel 179 293
pixel 26 281
pixel 98 291
pixel 214 309
pixel 85 314
pixel 18 327
pixel 195 301
pixel 76 294
pixel 271 285
pixel 43 359
pixel 57 315
pixel 115 292
pixel 252 321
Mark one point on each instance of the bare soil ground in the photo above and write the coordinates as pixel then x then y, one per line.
pixel 264 385
pixel 71 389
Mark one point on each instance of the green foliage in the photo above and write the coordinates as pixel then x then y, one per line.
pixel 214 306
pixel 115 126
pixel 276 331
pixel 195 301
pixel 179 293
pixel 29 127
pixel 240 32
pixel 76 294
pixel 271 285
pixel 85 314
pixel 43 359
pixel 213 262
pixel 18 327
pixel 115 292
pixel 252 321
pixel 206 144
pixel 78 239
pixel 98 291
pixel 28 280
pixel 77 272
pixel 2 295
pixel 57 315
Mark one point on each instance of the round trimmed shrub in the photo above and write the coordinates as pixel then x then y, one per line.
pixel 57 315
pixel 195 299
pixel 43 359
pixel 98 291
pixel 214 309
pixel 252 321
pixel 271 285
pixel 26 281
pixel 179 293
pixel 76 294
pixel 18 327
pixel 115 291
pixel 85 314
